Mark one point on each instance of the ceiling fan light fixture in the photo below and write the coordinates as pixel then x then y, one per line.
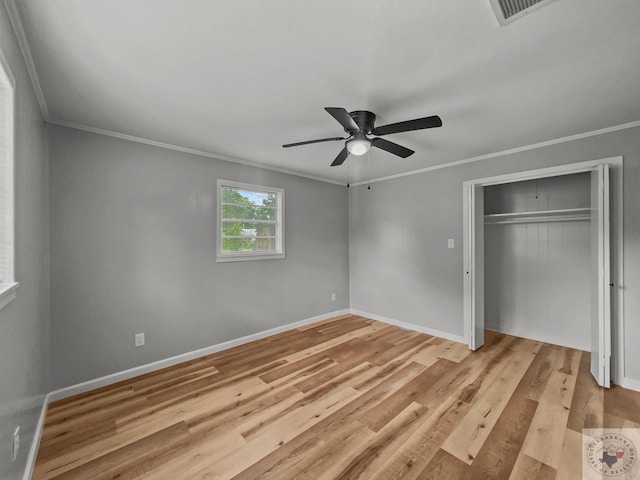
pixel 360 123
pixel 358 146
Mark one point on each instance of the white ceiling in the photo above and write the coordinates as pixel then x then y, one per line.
pixel 240 78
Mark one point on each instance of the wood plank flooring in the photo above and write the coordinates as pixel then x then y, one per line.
pixel 347 398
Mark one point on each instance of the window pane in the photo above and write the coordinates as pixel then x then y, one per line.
pixel 237 245
pixel 249 219
pixel 266 244
pixel 241 197
pixel 253 244
pixel 249 212
pixel 248 229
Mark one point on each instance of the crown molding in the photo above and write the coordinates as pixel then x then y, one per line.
pixel 178 148
pixel 16 23
pixel 18 28
pixel 264 166
pixel 534 146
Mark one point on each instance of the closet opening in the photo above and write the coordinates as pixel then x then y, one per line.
pixel 538 259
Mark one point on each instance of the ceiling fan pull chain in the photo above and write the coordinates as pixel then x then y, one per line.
pixel 369 168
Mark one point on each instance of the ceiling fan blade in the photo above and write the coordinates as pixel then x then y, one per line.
pixel 342 116
pixel 409 125
pixel 342 156
pixel 391 147
pixel 332 139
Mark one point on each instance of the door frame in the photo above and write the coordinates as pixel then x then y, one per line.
pixel 617 245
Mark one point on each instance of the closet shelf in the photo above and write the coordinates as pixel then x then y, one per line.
pixel 564 215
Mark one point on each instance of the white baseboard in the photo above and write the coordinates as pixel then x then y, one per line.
pixel 35 444
pixel 150 367
pixel 630 383
pixel 624 382
pixel 183 357
pixel 540 338
pixel 411 326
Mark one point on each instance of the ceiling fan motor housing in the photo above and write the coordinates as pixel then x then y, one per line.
pixel 364 119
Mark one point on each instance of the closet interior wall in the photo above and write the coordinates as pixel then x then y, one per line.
pixel 537 259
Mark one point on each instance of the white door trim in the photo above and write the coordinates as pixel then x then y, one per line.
pixel 616 163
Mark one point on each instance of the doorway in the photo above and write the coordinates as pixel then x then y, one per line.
pixel 605 275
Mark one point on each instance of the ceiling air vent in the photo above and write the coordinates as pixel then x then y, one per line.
pixel 509 10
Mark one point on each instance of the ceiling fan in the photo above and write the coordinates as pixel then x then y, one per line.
pixel 360 123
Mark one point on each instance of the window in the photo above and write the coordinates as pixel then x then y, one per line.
pixel 8 284
pixel 250 222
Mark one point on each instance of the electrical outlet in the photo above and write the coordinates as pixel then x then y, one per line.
pixel 333 297
pixel 450 243
pixel 139 339
pixel 16 444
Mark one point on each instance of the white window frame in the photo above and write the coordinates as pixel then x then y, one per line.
pixel 253 255
pixel 8 284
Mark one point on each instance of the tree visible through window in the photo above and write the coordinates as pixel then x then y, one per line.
pixel 250 221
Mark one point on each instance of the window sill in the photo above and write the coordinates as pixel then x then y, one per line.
pixel 245 258
pixel 7 293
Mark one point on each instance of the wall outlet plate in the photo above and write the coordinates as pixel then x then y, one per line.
pixel 139 339
pixel 450 243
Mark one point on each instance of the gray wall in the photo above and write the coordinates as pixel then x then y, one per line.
pixel 24 323
pixel 400 265
pixel 133 250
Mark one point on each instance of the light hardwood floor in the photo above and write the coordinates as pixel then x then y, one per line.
pixel 342 399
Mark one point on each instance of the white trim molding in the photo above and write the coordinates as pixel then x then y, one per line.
pixel 37 436
pixel 278 223
pixel 184 357
pixel 7 293
pixel 629 383
pixel 562 342
pixel 8 284
pixel 178 148
pixel 617 318
pixel 566 169
pixel 131 138
pixel 16 23
pixel 83 387
pixel 410 326
pixel 488 156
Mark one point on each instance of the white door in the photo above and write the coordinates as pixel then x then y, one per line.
pixel 474 264
pixel 601 277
